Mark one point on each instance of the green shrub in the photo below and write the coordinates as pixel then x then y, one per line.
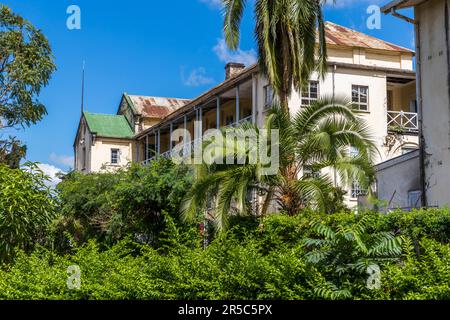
pixel 27 207
pixel 110 206
pixel 423 277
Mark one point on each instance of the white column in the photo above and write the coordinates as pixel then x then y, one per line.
pixel 237 105
pixel 170 137
pixel 201 123
pixel 218 113
pixel 254 98
pixel 159 142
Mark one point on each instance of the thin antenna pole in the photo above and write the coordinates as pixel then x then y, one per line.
pixel 82 88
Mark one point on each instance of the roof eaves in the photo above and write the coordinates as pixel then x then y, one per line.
pixel 130 102
pixel 245 73
pixel 224 85
pixel 400 4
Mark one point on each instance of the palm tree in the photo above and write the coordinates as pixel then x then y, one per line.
pixel 327 137
pixel 286 32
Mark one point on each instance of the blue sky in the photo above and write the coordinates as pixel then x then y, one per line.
pixel 160 48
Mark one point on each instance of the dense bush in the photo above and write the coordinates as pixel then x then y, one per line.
pixel 123 231
pixel 236 265
pixel 109 206
pixel 27 207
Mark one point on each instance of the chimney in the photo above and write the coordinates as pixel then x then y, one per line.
pixel 232 69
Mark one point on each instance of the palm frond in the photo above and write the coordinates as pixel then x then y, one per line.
pixel 233 11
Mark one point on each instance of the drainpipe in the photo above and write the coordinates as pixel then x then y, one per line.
pixel 333 80
pixel 419 98
pixel 420 116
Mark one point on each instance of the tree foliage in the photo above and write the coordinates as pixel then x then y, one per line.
pixel 287 33
pixel 110 205
pixel 26 65
pixel 27 207
pixel 345 253
pixel 323 136
pixel 266 261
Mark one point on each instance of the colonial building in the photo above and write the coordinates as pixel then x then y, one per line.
pixel 378 76
pixel 425 174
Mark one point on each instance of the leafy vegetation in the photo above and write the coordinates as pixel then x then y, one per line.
pixel 26 65
pixel 109 206
pixel 326 137
pixel 27 207
pixel 346 254
pixel 287 34
pixel 263 261
pixel 142 249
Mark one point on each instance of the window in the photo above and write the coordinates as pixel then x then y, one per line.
pixel 83 158
pixel 309 172
pixel 115 156
pixel 353 152
pixel 310 93
pixel 360 97
pixel 415 199
pixel 357 190
pixel 268 96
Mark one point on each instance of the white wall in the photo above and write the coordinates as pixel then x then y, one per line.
pixel 83 139
pixel 101 153
pixel 436 105
pixel 376 116
pixel 396 178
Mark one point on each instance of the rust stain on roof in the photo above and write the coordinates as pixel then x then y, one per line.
pixel 342 36
pixel 157 107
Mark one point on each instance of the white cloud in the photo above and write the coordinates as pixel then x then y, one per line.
pixel 196 78
pixel 247 57
pixel 51 171
pixel 215 4
pixel 62 159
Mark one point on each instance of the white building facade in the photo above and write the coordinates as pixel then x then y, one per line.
pixel 377 76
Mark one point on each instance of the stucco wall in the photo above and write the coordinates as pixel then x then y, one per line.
pixel 435 96
pixel 370 57
pixel 389 145
pixel 83 142
pixel 396 178
pixel 101 153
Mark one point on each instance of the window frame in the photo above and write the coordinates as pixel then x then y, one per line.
pixel 268 101
pixel 358 103
pixel 308 98
pixel 356 190
pixel 117 157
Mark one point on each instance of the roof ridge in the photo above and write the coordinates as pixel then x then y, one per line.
pixel 391 44
pixel 144 96
pixel 103 114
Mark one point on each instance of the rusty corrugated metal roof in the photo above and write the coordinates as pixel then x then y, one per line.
pixel 343 36
pixel 157 107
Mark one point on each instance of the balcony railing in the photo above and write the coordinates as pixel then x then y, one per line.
pixel 241 121
pixel 402 122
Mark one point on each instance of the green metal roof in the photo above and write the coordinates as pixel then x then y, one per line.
pixel 108 125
